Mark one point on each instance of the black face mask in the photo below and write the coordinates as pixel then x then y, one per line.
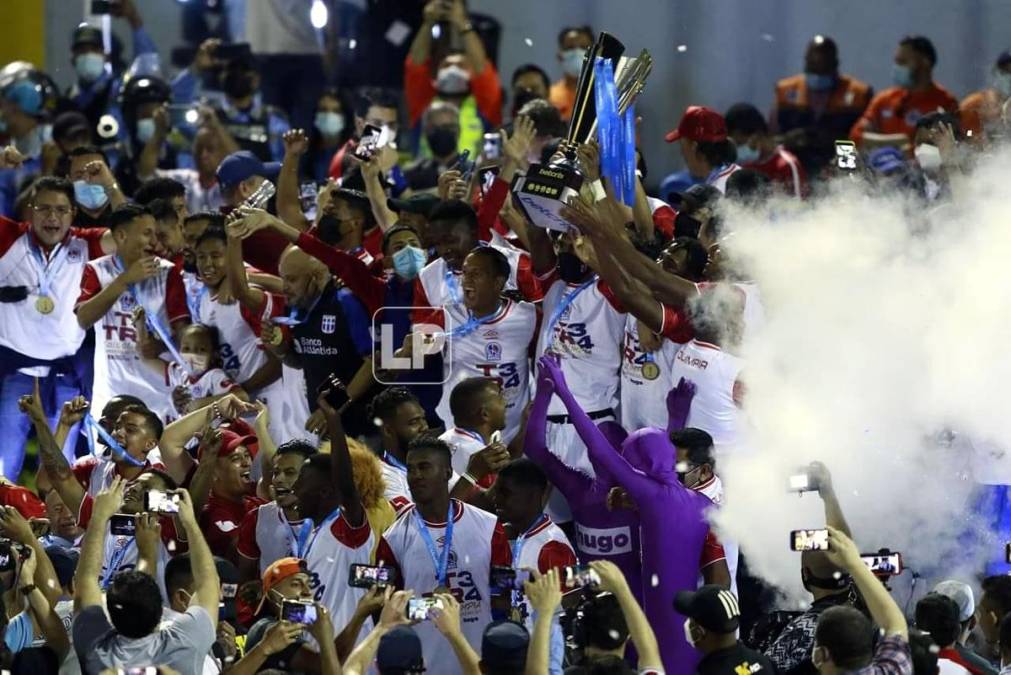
pixel 189 264
pixel 686 226
pixel 237 84
pixel 442 141
pixel 571 268
pixel 329 229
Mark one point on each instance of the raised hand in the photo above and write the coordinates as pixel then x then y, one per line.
pixel 148 535
pixel 14 525
pixel 544 591
pixel 296 143
pixel 588 156
pixel 280 636
pixel 488 460
pixel 679 399
pixel 446 181
pixel 552 369
pixel 612 579
pixel 395 608
pixel 447 619
pixel 141 269
pixel 516 146
pixel 31 405
pixel 108 501
pixel 205 59
pixel 97 172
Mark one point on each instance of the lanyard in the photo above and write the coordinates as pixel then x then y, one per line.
pixel 154 322
pixel 517 546
pixel 47 271
pixel 305 543
pixel 440 561
pixel 91 425
pixel 472 324
pixel 453 286
pixel 194 299
pixel 117 560
pixel 563 305
pixel 394 462
pixel 290 531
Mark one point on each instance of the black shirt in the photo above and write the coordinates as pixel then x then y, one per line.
pixel 736 660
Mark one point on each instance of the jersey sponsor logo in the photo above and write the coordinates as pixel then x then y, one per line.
pixel 604 541
pixel 328 324
pixel 74 256
pixel 124 332
pixel 493 352
pixel 692 361
pixel 490 334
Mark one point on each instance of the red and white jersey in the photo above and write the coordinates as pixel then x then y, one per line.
pixel 588 336
pixel 329 552
pixel 238 331
pixel 95 474
pixel 267 536
pixel 213 382
pixel 718 179
pixel 644 391
pixel 478 543
pixel 118 369
pixel 715 408
pixel 23 262
pixel 544 547
pixel 784 169
pixel 465 444
pixel 753 313
pixel 499 348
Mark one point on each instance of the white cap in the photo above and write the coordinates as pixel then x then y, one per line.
pixel 961 593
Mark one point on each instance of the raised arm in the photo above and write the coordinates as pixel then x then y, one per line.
pixel 612 580
pixel 177 434
pixel 545 595
pixel 87 592
pixel 371 169
pixel 340 462
pixel 447 620
pixel 250 297
pixel 289 203
pixel 472 45
pixel 833 511
pixel 844 553
pixel 51 453
pixel 14 525
pixel 394 614
pixel 207 589
pixel 569 481
pixel 42 608
pixel 94 308
pixel 679 404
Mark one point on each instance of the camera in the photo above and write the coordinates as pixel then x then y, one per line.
pixel 123 525
pixel 367 576
pixel 418 609
pixel 298 611
pixel 809 540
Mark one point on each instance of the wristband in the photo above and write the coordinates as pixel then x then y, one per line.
pixel 473 481
pixel 597 188
pixel 27 590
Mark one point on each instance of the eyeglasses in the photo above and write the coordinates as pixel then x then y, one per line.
pixel 46 210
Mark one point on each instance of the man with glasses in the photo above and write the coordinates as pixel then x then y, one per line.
pixel 41 264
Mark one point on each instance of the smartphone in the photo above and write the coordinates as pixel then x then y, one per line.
pixel 878 563
pixel 370 141
pixel 308 198
pixel 123 525
pixel 505 578
pixel 419 608
pixel 485 179
pixel 367 576
pixel 336 392
pixel 233 51
pixel 809 540
pixel 846 155
pixel 801 482
pixel 182 115
pixel 492 148
pixel 297 611
pixel 580 576
pixel 1007 552
pixel 156 501
pixel 101 6
pixel 464 165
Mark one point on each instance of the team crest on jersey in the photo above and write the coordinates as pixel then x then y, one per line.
pixel 567 312
pixel 127 300
pixel 74 256
pixel 493 352
pixel 328 324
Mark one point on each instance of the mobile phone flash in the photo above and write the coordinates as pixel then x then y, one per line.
pixel 799 482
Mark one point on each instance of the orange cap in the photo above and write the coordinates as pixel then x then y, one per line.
pixel 278 571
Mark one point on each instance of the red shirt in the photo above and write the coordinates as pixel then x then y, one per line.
pixel 220 520
pixel 784 169
pixel 10 230
pixel 23 499
pixel 419 91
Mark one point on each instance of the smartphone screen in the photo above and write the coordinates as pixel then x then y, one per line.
pixel 485 179
pixel 370 141
pixel 157 501
pixel 367 576
pixel 123 525
pixel 298 612
pixel 579 576
pixel 182 115
pixel 419 608
pixel 883 564
pixel 809 540
pixel 799 483
pixel 846 155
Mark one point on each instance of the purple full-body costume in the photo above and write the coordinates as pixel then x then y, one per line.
pixel 672 520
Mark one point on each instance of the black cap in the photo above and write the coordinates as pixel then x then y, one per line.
pixel 421 203
pixel 70 124
pixel 695 197
pixel 712 607
pixel 504 644
pixel 400 650
pixel 87 35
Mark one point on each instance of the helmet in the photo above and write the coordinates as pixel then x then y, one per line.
pixel 30 89
pixel 144 89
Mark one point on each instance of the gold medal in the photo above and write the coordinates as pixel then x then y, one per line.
pixel 276 337
pixel 44 304
pixel 650 370
pixel 440 589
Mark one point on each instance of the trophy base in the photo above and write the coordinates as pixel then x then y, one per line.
pixel 544 191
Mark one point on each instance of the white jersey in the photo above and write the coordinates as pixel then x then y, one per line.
pixel 118 369
pixel 717 390
pixel 498 348
pixel 121 556
pixel 329 552
pixel 267 535
pixel 213 382
pixel 588 337
pixel 24 328
pixel 464 445
pixel 238 332
pixel 644 387
pixel 97 473
pixel 714 491
pixel 478 543
pixel 441 285
pixel 397 492
pixel 718 178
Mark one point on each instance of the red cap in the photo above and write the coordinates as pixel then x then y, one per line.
pixel 231 441
pixel 700 124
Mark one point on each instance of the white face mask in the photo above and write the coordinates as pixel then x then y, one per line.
pixel 928 157
pixel 197 363
pixel 572 61
pixel 452 80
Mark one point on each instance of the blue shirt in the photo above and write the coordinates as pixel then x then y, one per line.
pixel 20 632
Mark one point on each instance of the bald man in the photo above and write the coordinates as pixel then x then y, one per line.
pixel 328 333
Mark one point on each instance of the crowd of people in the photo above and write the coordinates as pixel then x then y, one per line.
pixel 281 398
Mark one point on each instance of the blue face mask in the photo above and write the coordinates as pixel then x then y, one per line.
pixel 89 66
pixel 747 154
pixel 819 82
pixel 90 196
pixel 902 76
pixel 145 129
pixel 408 261
pixel 329 123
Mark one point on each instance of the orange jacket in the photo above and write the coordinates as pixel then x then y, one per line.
pixel 981 110
pixel 896 110
pixel 484 87
pixel 796 107
pixel 563 97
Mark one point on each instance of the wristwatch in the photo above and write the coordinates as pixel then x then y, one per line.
pixel 27 590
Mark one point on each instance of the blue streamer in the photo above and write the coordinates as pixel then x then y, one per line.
pixel 616 135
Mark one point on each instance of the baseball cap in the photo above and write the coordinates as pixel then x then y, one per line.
pixel 961 593
pixel 421 203
pixel 278 571
pixel 505 643
pixel 64 561
pixel 86 35
pixel 71 124
pixel 712 607
pixel 699 124
pixel 243 165
pixel 400 650
pixel 230 442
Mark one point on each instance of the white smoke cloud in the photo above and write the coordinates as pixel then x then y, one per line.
pixel 885 323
